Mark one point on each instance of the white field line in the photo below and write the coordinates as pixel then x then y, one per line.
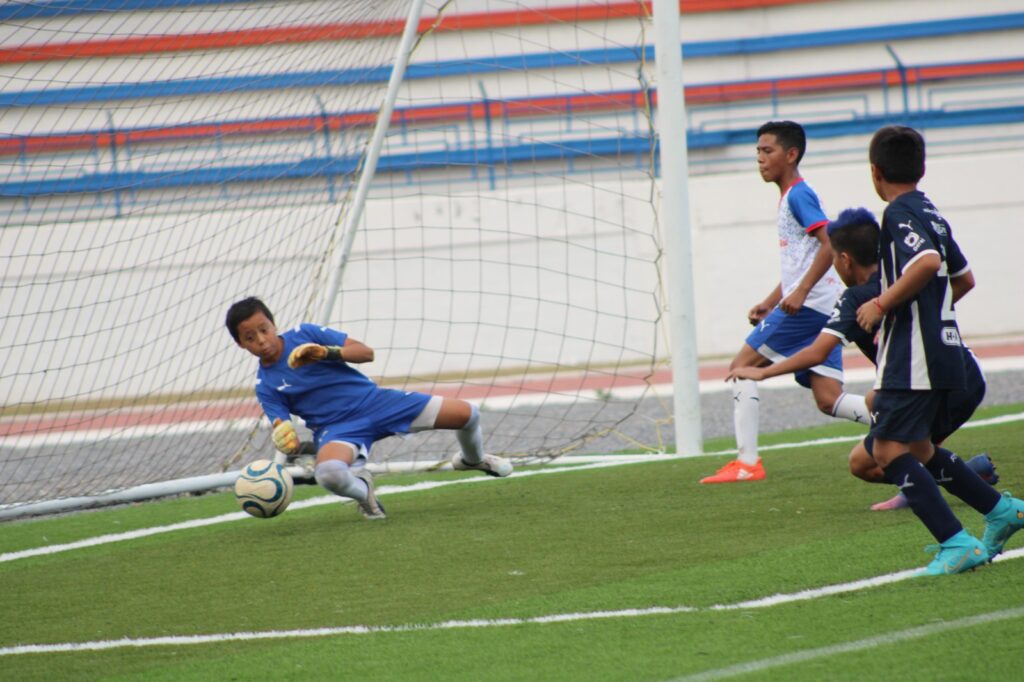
pixel 775 600
pixel 594 462
pixel 858 645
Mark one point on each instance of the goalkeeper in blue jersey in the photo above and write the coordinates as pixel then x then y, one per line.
pixel 307 371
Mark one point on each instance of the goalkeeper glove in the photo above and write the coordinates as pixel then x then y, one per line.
pixel 308 353
pixel 285 438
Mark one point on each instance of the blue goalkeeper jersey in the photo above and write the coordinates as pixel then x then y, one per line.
pixel 321 393
pixel 919 346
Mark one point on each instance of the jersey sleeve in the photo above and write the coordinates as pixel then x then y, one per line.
pixel 806 207
pixel 910 239
pixel 843 320
pixel 956 261
pixel 271 402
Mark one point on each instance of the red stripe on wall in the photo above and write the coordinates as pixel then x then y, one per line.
pixel 537 106
pixel 356 31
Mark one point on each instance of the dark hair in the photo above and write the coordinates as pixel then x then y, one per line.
pixel 242 310
pixel 855 231
pixel 788 134
pixel 898 153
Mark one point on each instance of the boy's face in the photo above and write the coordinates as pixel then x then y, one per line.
pixel 258 335
pixel 772 160
pixel 843 264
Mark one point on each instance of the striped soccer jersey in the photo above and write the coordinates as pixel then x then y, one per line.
pixel 919 346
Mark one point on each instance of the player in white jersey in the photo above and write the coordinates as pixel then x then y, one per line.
pixel 791 316
pixel 307 371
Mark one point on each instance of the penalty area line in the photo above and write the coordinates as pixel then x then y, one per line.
pixel 767 602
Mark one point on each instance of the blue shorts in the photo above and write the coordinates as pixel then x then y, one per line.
pixel 779 336
pixel 387 413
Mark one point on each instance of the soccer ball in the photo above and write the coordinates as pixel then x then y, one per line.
pixel 264 489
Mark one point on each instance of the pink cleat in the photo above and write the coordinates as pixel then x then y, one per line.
pixel 897 502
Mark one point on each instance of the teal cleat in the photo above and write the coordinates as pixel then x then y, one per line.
pixel 1006 519
pixel 960 553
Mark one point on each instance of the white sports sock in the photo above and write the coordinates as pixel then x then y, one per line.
pixel 471 439
pixel 746 415
pixel 335 476
pixel 851 406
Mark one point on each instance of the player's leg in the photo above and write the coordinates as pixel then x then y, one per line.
pixel 826 382
pixel 746 415
pixel 340 468
pixel 902 445
pixel 464 419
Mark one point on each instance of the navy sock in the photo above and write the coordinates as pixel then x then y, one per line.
pixel 953 474
pixel 918 486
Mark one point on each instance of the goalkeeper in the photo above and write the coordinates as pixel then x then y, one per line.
pixel 307 371
pixel 854 237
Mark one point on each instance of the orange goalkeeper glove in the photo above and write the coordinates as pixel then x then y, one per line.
pixel 285 438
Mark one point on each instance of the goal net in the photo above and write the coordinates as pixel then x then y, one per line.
pixel 159 164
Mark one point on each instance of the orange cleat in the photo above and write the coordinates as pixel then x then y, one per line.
pixel 737 472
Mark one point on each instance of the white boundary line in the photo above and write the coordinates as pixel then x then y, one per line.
pixel 775 600
pixel 604 462
pixel 858 645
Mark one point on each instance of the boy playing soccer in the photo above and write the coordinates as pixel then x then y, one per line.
pixel 791 316
pixel 854 238
pixel 306 371
pixel 920 360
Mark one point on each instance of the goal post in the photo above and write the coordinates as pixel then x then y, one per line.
pixel 489 223
pixel 674 219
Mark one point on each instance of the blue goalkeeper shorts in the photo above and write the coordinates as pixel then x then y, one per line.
pixel 387 413
pixel 779 336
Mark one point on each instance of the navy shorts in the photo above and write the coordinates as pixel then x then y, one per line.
pixel 387 413
pixel 906 416
pixel 778 336
pixel 957 409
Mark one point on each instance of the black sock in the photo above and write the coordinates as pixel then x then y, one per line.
pixel 921 491
pixel 953 474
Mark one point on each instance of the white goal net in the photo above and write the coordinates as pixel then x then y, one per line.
pixel 158 164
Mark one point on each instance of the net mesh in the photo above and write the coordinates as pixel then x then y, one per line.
pixel 157 165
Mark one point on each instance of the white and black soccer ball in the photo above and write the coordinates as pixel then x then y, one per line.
pixel 264 489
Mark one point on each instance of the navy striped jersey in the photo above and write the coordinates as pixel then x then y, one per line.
pixel 919 345
pixel 843 320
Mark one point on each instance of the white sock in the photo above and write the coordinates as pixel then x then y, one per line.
pixel 334 475
pixel 471 439
pixel 746 415
pixel 851 406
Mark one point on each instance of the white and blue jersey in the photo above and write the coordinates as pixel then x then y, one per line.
pixel 800 214
pixel 337 401
pixel 919 345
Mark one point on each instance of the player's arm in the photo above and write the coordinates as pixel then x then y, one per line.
pixel 819 266
pixel 811 356
pixel 914 278
pixel 350 351
pixel 961 284
pixel 761 310
pixel 284 435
